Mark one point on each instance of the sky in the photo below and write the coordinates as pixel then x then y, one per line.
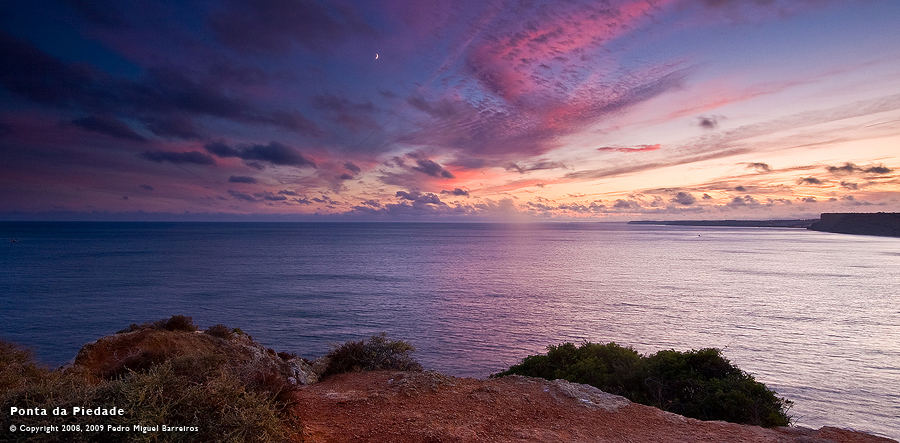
pixel 469 110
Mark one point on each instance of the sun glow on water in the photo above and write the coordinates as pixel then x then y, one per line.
pixel 810 314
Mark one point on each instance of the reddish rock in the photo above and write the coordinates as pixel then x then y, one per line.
pixel 403 407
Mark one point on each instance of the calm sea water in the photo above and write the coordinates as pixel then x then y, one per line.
pixel 815 316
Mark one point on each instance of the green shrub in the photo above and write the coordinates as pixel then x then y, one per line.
pixel 700 384
pixel 376 353
pixel 705 385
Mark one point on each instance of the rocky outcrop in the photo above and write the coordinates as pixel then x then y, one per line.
pixel 877 223
pixel 140 349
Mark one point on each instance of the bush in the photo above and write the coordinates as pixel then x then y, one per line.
pixel 177 323
pixel 608 365
pixel 376 353
pixel 700 384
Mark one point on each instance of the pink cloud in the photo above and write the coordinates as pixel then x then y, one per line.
pixel 639 148
pixel 492 130
pixel 525 57
pixel 534 75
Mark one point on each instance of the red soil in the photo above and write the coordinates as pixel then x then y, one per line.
pixel 388 406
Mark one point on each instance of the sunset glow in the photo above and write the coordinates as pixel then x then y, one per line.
pixel 471 110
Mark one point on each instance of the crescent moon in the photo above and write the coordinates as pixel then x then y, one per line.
pixel 376 56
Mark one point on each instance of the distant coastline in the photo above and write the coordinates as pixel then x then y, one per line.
pixel 734 223
pixel 885 224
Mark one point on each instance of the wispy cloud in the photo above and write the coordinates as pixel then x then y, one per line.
pixel 528 82
pixel 738 141
pixel 627 150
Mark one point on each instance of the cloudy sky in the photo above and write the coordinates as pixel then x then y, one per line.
pixel 452 110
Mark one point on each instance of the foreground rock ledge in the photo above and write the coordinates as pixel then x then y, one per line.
pixel 428 406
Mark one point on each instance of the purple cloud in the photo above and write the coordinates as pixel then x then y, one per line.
pixel 274 153
pixel 761 167
pixel 350 166
pixel 275 26
pixel 808 181
pixel 456 192
pixel 241 179
pixel 711 122
pixel 684 198
pixel 108 125
pixel 850 168
pixel 151 99
pixel 428 167
pixel 242 196
pixel 195 157
pixel 353 116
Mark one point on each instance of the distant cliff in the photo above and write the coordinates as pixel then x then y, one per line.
pixel 877 223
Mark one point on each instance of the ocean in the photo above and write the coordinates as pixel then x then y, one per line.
pixel 815 316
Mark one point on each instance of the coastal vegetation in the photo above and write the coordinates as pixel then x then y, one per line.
pixel 218 384
pixel 376 353
pixel 213 385
pixel 207 387
pixel 699 384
